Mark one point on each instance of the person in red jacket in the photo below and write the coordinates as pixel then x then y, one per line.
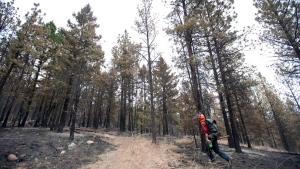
pixel 210 138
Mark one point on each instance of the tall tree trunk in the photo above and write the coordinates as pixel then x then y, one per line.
pixel 4 79
pixel 5 108
pixel 65 107
pixel 278 122
pixel 97 111
pixel 8 112
pixel 293 94
pixel 46 113
pixel 75 108
pixel 38 118
pixel 165 114
pixel 220 95
pixel 72 126
pixel 269 132
pixel 90 109
pixel 31 93
pixel 233 124
pixel 130 112
pixel 55 116
pixel 123 106
pixel 192 65
pixel 153 124
pixel 109 106
pixel 192 60
pixel 242 121
pixel 228 101
pixel 18 116
pixel 83 120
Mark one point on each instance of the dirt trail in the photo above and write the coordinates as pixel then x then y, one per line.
pixel 134 152
pixel 43 149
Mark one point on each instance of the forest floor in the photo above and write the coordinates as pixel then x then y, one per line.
pixel 39 148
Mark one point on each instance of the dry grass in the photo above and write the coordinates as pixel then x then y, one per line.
pixel 185 140
pixel 265 148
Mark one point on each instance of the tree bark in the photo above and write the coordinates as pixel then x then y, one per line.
pixel 228 101
pixel 75 108
pixel 5 108
pixel 165 114
pixel 192 60
pixel 123 106
pixel 31 93
pixel 90 110
pixel 278 122
pixel 242 121
pixel 65 107
pixel 4 79
pixel 220 94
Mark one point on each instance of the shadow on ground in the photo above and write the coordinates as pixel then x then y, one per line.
pixel 41 148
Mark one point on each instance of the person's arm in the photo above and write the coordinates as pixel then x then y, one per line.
pixel 205 131
pixel 206 137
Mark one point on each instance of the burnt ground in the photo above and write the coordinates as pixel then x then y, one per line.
pixel 42 149
pixel 250 158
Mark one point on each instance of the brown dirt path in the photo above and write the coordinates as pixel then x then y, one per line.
pixel 43 149
pixel 135 152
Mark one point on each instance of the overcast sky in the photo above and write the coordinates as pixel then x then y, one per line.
pixel 114 16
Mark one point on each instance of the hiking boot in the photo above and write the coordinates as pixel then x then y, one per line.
pixel 211 160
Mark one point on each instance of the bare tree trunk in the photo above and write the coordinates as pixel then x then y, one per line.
pixel 39 114
pixel 8 112
pixel 90 110
pixel 130 113
pixel 192 60
pixel 123 106
pixel 74 109
pixel 65 107
pixel 220 95
pixel 278 122
pixel 109 106
pixel 242 121
pixel 165 114
pixel 31 94
pixel 293 94
pixel 97 111
pixel 4 79
pixel 5 108
pixel 153 126
pixel 47 111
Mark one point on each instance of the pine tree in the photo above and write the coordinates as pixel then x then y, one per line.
pixel 146 26
pixel 184 32
pixel 126 62
pixel 165 83
pixel 143 103
pixel 280 20
pixel 274 107
pixel 83 53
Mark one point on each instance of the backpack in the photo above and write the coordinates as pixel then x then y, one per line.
pixel 212 127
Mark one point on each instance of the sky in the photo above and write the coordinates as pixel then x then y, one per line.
pixel 116 16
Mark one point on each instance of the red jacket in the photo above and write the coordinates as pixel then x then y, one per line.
pixel 204 127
